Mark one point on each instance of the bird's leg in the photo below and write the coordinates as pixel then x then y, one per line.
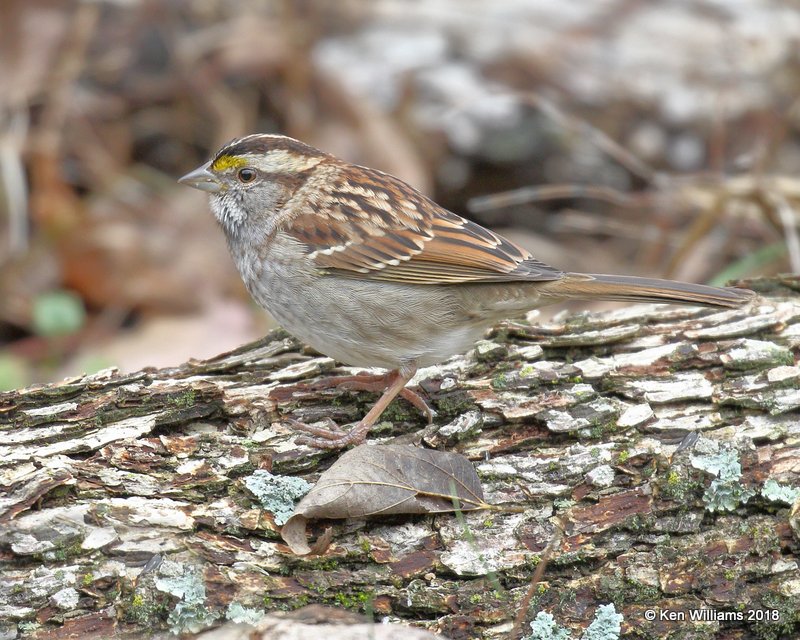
pixel 333 438
pixel 374 382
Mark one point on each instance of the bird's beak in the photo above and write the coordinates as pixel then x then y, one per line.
pixel 202 178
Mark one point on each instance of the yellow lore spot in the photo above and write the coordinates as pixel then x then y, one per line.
pixel 228 162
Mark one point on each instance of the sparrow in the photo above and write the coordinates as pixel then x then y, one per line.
pixel 365 269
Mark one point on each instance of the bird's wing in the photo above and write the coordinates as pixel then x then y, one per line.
pixel 374 226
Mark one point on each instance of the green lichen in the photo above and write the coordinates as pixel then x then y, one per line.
pixel 28 626
pixel 237 612
pixel 726 492
pixel 562 504
pixel 785 614
pixel 277 494
pixel 544 627
pixel 775 492
pixel 190 615
pixel 607 625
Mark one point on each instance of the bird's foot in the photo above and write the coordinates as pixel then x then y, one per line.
pixel 331 436
pixel 375 383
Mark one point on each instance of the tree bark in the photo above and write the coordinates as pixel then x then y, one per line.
pixel 124 506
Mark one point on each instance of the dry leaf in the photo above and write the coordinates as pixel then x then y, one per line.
pixel 386 479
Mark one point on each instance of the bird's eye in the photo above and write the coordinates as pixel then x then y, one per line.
pixel 246 175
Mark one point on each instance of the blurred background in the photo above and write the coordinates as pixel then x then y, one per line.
pixel 630 136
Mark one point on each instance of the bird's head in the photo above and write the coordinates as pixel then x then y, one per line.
pixel 249 179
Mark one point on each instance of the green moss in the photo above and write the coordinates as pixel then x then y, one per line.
pixel 602 428
pixel 571 557
pixel 679 488
pixel 242 470
pixel 534 560
pixel 360 600
pixel 322 564
pixel 300 601
pixel 527 371
pixel 145 608
pixel 765 539
pixel 622 456
pixel 500 381
pixel 454 404
pixel 184 399
pixel 400 411
pixel 624 591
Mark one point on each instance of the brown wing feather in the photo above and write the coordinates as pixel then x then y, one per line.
pixel 382 229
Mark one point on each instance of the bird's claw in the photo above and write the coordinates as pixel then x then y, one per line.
pixel 331 436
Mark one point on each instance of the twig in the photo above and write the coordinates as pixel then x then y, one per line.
pixel 516 630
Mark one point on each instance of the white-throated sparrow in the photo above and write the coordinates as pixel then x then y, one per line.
pixel 367 270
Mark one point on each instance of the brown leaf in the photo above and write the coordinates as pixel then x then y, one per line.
pixel 387 479
pixel 294 534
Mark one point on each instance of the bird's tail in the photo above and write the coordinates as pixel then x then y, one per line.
pixel 605 287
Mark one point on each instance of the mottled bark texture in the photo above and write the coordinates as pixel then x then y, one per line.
pixel 126 503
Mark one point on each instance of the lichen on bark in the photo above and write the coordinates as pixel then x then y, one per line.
pixel 589 423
